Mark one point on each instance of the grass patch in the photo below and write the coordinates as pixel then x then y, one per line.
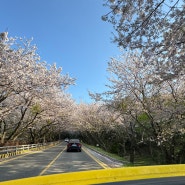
pixel 139 160
pixel 142 161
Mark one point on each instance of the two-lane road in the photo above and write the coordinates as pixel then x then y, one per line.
pixel 50 161
pixel 57 161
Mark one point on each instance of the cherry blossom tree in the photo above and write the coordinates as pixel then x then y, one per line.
pixel 155 27
pixel 26 84
pixel 56 114
pixel 152 113
pixel 95 123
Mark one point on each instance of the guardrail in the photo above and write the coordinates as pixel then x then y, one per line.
pixel 8 151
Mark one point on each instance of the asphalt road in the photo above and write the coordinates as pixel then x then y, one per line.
pixel 56 161
pixel 51 161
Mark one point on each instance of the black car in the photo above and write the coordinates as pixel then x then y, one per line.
pixel 74 145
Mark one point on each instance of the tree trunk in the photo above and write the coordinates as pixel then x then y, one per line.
pixel 132 155
pixel 3 135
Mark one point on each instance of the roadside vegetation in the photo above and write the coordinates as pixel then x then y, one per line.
pixel 140 118
pixel 139 160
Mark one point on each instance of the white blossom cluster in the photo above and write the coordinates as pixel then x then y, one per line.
pixel 154 27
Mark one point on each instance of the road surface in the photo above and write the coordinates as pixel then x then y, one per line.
pixel 51 161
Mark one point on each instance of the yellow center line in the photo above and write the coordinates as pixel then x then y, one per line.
pixel 105 166
pixel 48 166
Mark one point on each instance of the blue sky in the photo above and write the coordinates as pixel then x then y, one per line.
pixel 69 33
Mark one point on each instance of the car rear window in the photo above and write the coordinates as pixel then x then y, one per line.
pixel 74 141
